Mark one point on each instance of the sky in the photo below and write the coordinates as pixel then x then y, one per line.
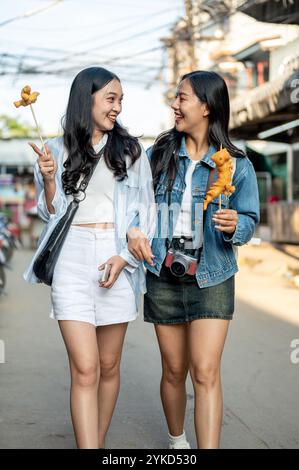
pixel 121 35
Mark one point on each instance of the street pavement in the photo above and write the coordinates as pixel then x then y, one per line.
pixel 260 382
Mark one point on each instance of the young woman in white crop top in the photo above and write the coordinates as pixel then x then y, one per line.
pixel 93 316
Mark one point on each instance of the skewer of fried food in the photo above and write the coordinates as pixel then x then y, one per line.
pixel 38 129
pixel 28 98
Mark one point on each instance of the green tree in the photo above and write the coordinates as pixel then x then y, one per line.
pixel 12 127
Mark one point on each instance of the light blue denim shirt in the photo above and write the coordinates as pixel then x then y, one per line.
pixel 217 261
pixel 133 198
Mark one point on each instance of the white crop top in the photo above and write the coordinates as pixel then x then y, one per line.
pixel 98 206
pixel 183 226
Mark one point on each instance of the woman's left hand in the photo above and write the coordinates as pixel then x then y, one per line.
pixel 117 264
pixel 226 220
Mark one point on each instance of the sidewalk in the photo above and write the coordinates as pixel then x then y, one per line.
pixel 260 383
pixel 269 279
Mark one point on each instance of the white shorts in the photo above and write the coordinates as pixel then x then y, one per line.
pixel 75 291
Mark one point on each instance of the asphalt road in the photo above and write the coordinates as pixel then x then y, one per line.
pixel 260 382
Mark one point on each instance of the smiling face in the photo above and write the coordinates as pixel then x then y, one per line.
pixel 189 111
pixel 107 105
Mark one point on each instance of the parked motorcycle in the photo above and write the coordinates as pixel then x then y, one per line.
pixel 9 240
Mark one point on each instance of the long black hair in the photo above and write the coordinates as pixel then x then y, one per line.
pixel 211 89
pixel 78 126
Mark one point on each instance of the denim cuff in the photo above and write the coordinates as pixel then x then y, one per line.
pixel 234 238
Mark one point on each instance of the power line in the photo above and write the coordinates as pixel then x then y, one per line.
pixel 27 70
pixel 19 45
pixel 88 26
pixel 134 36
pixel 118 30
pixel 23 68
pixel 36 11
pixel 107 61
pixel 140 69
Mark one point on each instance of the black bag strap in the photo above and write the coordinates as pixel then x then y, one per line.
pixel 84 183
pixel 211 178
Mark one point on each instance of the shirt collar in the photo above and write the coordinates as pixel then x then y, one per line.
pixel 207 158
pixel 98 147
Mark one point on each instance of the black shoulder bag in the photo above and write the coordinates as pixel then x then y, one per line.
pixel 44 264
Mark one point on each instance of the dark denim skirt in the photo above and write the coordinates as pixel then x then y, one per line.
pixel 171 300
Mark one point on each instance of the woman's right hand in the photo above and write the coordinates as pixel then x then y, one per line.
pixel 139 246
pixel 46 162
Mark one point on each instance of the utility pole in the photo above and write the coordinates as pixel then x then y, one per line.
pixel 190 33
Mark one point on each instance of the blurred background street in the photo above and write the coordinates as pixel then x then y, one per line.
pixel 260 382
pixel 253 45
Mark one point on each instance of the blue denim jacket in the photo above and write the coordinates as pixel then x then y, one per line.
pixel 133 197
pixel 217 261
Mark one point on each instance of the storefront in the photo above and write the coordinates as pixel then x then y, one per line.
pixel 270 113
pixel 16 172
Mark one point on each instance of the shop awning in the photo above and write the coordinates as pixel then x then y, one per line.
pixel 271 11
pixel 265 107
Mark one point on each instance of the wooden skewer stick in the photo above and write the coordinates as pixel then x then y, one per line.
pixel 38 129
pixel 220 193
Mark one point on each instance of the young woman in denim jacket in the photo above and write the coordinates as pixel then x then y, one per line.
pixel 191 313
pixel 93 316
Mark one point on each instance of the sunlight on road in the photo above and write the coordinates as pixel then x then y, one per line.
pixel 263 282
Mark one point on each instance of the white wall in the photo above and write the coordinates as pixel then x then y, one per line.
pixel 283 55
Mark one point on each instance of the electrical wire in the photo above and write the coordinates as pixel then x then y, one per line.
pixel 36 11
pixel 113 43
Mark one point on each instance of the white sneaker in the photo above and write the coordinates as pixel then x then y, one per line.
pixel 178 442
pixel 180 445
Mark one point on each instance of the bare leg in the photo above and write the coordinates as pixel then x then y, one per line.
pixel 110 340
pixel 81 344
pixel 172 341
pixel 206 342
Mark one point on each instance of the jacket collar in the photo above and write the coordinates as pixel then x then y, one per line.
pixel 207 158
